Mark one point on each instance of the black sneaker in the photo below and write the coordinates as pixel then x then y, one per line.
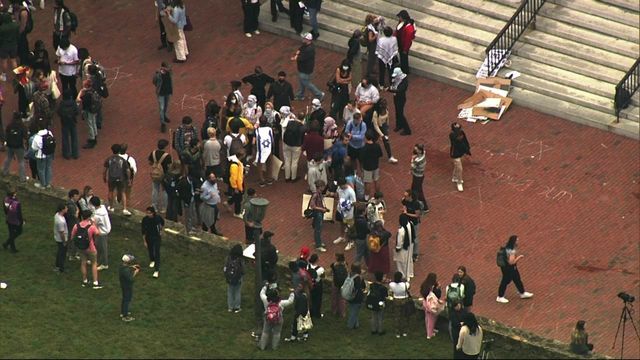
pixel 85 283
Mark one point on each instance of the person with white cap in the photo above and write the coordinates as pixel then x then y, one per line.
pixel 305 59
pixel 399 86
pixel 128 270
pixel 252 112
pixel 317 113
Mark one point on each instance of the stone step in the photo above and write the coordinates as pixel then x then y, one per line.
pixel 551 73
pixel 563 92
pixel 635 99
pixel 327 21
pixel 338 42
pixel 587 37
pixel 626 4
pixel 569 63
pixel 579 51
pixel 432 38
pixel 590 22
pixel 388 9
pixel 631 113
pixel 485 7
pixel 604 10
pixel 435 8
pixel 581 115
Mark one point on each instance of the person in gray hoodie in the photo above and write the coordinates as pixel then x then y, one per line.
pixel 102 221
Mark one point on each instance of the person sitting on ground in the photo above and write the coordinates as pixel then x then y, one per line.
pixel 580 340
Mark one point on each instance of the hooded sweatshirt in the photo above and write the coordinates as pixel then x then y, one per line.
pixel 417 165
pixel 101 218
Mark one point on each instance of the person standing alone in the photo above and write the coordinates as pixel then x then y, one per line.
pixel 459 148
pixel 164 90
pixel 510 271
pixel 127 272
pixel 152 225
pixel 305 59
pixel 399 86
pixel 13 215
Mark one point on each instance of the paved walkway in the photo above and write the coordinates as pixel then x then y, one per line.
pixel 570 192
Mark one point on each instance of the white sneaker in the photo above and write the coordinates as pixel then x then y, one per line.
pixel 338 240
pixel 502 300
pixel 41 4
pixel 156 274
pixel 103 267
pixel 257 32
pixel 126 212
pixel 526 295
pixel 349 246
pixel 247 35
pixel 38 185
pixel 460 188
pixel 110 209
pixel 152 264
pixel 3 77
pixel 393 160
pixel 239 216
pixel 321 249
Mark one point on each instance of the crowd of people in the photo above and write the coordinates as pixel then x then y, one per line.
pixel 202 170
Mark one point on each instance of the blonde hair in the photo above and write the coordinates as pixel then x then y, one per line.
pixel 211 132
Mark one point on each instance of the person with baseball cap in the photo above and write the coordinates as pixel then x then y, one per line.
pixel 305 59
pixel 128 270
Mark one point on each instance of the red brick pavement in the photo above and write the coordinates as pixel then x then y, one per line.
pixel 570 192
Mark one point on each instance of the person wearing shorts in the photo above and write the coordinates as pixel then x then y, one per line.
pixel 370 159
pixel 89 254
pixel 346 202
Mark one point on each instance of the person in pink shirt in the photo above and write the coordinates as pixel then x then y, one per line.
pixel 83 235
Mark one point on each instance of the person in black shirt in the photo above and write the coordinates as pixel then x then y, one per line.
pixel 164 90
pixel 355 58
pixel 296 14
pixel 361 231
pixel 413 209
pixel 152 225
pixel 258 81
pixel 277 6
pixel 127 272
pixel 281 91
pixel 459 148
pixel 269 257
pixel 469 287
pixel 399 86
pixel 370 159
pixel 305 59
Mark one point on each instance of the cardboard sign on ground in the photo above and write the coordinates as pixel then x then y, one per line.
pixel 494 82
pixel 498 104
pixel 328 203
pixel 276 164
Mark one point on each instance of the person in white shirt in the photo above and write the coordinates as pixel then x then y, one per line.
pixel 366 96
pixel 133 168
pixel 387 52
pixel 44 162
pixel 345 211
pixel 61 236
pixel 470 338
pixel 68 65
pixel 102 221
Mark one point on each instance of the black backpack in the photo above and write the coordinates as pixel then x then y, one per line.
pixel 15 137
pixel 73 19
pixel 313 274
pixel 501 257
pixel 233 271
pixel 81 238
pixel 236 145
pixel 117 168
pixel 48 144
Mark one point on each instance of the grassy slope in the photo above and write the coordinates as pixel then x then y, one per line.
pixel 181 314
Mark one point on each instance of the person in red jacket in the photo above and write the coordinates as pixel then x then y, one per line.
pixel 405 33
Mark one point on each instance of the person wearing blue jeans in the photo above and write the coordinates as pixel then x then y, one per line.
pixel 354 305
pixel 43 161
pixel 316 203
pixel 45 166
pixel 164 90
pixel 305 59
pixel 234 271
pixel 314 8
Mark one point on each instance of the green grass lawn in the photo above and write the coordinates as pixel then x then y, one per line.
pixel 182 314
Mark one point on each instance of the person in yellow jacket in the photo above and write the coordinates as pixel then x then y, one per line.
pixel 239 124
pixel 236 181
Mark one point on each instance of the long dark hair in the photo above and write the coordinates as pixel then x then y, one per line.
pixel 511 243
pixel 427 285
pixel 470 321
pixel 236 252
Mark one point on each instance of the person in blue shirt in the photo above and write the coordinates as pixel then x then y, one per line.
pixel 355 130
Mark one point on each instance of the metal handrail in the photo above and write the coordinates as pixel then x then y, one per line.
pixel 512 30
pixel 626 88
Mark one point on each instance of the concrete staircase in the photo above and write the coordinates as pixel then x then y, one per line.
pixel 570 64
